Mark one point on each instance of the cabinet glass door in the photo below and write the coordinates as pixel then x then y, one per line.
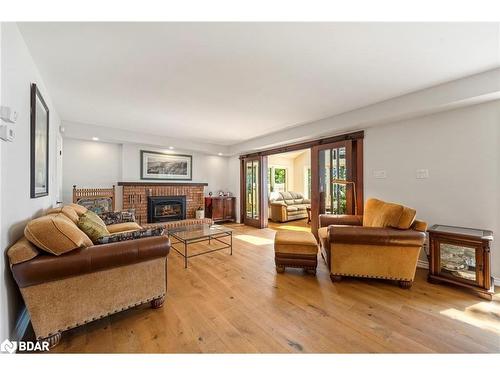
pixel 458 261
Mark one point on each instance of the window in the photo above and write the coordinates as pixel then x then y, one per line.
pixel 277 179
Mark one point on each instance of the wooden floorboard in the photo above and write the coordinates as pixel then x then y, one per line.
pixel 239 304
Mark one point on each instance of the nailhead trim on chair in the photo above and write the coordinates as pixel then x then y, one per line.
pixel 369 276
pixel 100 317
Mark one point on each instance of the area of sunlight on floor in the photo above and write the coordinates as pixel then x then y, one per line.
pixel 254 240
pixel 296 228
pixel 484 315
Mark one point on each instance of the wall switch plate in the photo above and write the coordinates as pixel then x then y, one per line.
pixel 380 174
pixel 422 173
pixel 7 132
pixel 8 114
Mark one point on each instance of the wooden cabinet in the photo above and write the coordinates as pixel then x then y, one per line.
pixel 220 208
pixel 461 256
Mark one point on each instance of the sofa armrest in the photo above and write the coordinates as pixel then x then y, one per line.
pixel 45 268
pixel 326 220
pixel 375 236
pixel 278 203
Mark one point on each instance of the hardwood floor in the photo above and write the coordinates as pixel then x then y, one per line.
pixel 239 304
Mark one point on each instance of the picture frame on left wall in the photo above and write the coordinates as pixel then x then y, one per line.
pixel 39 168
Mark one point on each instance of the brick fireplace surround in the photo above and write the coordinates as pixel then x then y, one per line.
pixel 135 195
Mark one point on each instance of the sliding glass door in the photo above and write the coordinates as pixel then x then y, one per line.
pixel 336 179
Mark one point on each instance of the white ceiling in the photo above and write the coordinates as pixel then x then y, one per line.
pixel 225 83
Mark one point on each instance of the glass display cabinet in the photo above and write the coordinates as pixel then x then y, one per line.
pixel 461 256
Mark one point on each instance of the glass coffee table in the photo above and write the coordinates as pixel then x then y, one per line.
pixel 191 234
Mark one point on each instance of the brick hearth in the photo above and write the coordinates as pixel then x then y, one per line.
pixel 135 195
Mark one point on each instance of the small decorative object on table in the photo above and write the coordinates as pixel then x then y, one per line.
pixel 461 256
pixel 200 213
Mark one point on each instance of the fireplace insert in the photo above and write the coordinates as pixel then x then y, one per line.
pixel 166 208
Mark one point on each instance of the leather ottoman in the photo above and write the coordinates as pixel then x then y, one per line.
pixel 295 249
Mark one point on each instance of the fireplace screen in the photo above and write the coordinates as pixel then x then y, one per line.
pixel 166 208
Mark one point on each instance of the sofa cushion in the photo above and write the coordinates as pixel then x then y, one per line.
pixel 22 251
pixel 117 217
pixel 291 209
pixel 56 234
pixel 123 227
pixel 94 217
pixel 295 242
pixel 46 268
pixel 92 228
pixel 381 214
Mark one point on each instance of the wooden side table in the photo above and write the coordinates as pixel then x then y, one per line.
pixel 461 256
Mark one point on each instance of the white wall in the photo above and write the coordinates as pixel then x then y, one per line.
pixel 300 163
pixel 211 169
pixel 17 73
pixel 90 164
pixel 460 148
pixel 101 164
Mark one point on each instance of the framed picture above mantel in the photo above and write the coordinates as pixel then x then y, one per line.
pixel 161 166
pixel 39 154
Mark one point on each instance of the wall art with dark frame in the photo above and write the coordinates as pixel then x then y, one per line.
pixel 39 144
pixel 161 166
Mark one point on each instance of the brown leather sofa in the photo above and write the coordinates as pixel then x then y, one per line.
pixel 287 206
pixel 63 289
pixel 383 243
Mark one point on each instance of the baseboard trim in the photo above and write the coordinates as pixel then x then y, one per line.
pixel 21 325
pixel 425 265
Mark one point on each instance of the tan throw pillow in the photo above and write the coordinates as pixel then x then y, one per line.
pixel 91 228
pixel 407 218
pixel 79 209
pixel 380 214
pixel 22 251
pixel 56 234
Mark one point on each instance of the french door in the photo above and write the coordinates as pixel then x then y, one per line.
pixel 336 179
pixel 253 181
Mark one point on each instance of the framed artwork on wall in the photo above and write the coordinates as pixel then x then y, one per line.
pixel 160 166
pixel 39 157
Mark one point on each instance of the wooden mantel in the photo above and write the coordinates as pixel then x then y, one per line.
pixel 148 183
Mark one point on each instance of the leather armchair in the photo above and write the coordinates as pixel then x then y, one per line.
pixel 383 243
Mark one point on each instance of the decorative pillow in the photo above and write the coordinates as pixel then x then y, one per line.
pixel 97 205
pixel 127 236
pixel 22 251
pixel 94 217
pixel 91 228
pixel 407 218
pixel 56 234
pixel 79 209
pixel 123 227
pixel 110 218
pixel 380 214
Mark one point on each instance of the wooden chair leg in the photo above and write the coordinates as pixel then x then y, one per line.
pixel 52 340
pixel 335 278
pixel 158 302
pixel 404 284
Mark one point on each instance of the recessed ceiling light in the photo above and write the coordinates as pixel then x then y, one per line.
pixel 95 138
pixel 220 154
pixel 171 148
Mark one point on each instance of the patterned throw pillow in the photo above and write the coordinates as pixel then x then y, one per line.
pixel 110 218
pixel 94 217
pixel 126 236
pixel 93 229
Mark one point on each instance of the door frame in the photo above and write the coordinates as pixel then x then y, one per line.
pixel 355 172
